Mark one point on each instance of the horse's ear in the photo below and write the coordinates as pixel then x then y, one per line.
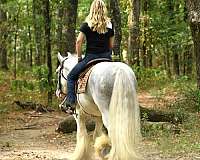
pixel 69 54
pixel 60 57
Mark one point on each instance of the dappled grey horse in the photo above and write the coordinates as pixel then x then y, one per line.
pixel 110 99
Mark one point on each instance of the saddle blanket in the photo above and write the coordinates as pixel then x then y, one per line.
pixel 83 79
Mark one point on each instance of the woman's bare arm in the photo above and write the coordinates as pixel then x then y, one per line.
pixel 79 42
pixel 111 42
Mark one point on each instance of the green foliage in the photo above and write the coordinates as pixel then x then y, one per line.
pixel 40 72
pixel 186 141
pixel 153 130
pixel 22 85
pixel 189 100
pixel 3 109
pixel 173 139
pixel 37 79
pixel 150 77
pixel 83 11
pixel 1 78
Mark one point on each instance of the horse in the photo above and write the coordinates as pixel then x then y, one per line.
pixel 111 100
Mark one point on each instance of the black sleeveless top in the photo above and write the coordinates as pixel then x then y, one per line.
pixel 96 43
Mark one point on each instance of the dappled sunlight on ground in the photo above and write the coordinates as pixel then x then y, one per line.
pixel 149 100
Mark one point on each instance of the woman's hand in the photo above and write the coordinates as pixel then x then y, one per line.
pixel 79 59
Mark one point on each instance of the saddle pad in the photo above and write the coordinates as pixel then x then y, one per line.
pixel 83 79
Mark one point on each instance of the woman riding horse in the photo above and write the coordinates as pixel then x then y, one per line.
pixel 98 32
pixel 110 98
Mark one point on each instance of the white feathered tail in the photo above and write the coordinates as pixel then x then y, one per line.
pixel 124 125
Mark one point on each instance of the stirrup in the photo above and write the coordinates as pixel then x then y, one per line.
pixel 67 108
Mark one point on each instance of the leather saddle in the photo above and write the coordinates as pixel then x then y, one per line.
pixel 84 76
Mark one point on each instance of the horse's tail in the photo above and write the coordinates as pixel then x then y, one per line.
pixel 124 126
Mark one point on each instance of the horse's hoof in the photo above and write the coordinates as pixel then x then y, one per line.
pixel 105 151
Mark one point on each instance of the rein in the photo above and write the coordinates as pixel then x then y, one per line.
pixel 60 74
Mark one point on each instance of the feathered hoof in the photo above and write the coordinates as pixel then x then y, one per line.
pixel 102 147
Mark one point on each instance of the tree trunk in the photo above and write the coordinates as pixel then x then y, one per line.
pixel 144 44
pixel 47 21
pixel 37 23
pixel 133 41
pixel 69 25
pixel 116 18
pixel 184 61
pixel 168 62
pixel 176 63
pixel 193 7
pixel 195 28
pixel 16 20
pixel 60 27
pixel 187 60
pixel 150 50
pixel 3 38
pixel 190 61
pixel 30 56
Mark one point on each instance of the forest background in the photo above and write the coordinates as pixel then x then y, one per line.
pixel 159 39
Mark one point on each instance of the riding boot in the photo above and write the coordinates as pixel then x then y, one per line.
pixel 69 103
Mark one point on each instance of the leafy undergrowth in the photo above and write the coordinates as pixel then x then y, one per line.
pixel 172 139
pixel 179 96
pixel 24 88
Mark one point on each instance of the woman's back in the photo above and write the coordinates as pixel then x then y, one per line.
pixel 97 42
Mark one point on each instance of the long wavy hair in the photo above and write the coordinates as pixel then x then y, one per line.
pixel 97 19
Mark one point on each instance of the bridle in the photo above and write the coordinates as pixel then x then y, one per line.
pixel 61 75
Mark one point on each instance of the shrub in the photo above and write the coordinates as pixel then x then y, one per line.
pixel 188 100
pixel 150 77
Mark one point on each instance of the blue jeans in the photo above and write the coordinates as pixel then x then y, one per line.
pixel 74 74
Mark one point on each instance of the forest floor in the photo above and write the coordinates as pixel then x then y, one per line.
pixel 28 135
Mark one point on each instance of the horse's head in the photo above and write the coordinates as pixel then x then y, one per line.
pixel 66 65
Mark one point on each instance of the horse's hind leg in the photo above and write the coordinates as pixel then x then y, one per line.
pixel 82 151
pixel 98 127
pixel 102 142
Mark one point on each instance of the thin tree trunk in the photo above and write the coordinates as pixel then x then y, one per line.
pixel 176 57
pixel 149 53
pixel 193 7
pixel 30 59
pixel 69 25
pixel 47 21
pixel 184 61
pixel 3 38
pixel 187 60
pixel 133 41
pixel 59 34
pixel 30 56
pixel 60 27
pixel 16 20
pixel 176 63
pixel 37 23
pixel 190 61
pixel 144 45
pixel 116 17
pixel 168 60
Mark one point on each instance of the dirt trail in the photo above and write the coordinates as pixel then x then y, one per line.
pixel 31 136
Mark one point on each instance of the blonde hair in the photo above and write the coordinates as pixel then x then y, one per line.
pixel 97 19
